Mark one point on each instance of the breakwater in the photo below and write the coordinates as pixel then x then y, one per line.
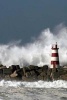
pixel 32 73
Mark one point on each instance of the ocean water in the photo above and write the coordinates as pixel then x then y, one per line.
pixel 41 90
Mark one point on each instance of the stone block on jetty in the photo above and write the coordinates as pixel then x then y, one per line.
pixel 28 74
pixel 32 73
pixel 1 71
pixel 62 70
pixel 14 74
pixel 32 67
pixel 20 72
pixel 7 71
pixel 63 77
pixel 7 77
pixel 45 68
pixel 25 69
pixel 14 67
pixel 42 76
pixel 40 70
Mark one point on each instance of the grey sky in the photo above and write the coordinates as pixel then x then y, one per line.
pixel 24 19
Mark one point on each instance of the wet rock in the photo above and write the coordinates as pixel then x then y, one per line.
pixel 25 69
pixel 43 75
pixel 65 67
pixel 7 77
pixel 54 74
pixel 49 77
pixel 45 68
pixel 28 78
pixel 49 71
pixel 36 72
pixel 61 71
pixel 1 71
pixel 2 67
pixel 39 69
pixel 7 71
pixel 14 74
pixel 20 72
pixel 63 77
pixel 40 77
pixel 28 74
pixel 32 73
pixel 14 67
pixel 24 78
pixel 32 67
pixel 63 98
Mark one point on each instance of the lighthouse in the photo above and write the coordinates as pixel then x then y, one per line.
pixel 54 56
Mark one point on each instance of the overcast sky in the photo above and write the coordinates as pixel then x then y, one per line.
pixel 25 19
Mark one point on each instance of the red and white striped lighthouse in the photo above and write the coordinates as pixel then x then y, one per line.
pixel 54 57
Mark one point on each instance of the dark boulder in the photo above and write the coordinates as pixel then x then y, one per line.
pixel 49 71
pixel 28 74
pixel 24 78
pixel 62 71
pixel 43 75
pixel 2 67
pixel 20 72
pixel 7 71
pixel 14 74
pixel 29 79
pixel 45 68
pixel 63 77
pixel 25 69
pixel 54 74
pixel 32 67
pixel 14 67
pixel 1 71
pixel 39 70
pixel 7 77
pixel 49 78
pixel 32 73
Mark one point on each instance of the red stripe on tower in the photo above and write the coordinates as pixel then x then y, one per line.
pixel 54 54
pixel 54 57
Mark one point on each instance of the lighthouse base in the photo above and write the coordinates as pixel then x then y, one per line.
pixel 56 66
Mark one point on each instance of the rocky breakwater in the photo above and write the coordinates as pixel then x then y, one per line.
pixel 32 73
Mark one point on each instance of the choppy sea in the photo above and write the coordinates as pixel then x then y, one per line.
pixel 41 90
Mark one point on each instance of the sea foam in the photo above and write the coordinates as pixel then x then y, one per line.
pixel 39 84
